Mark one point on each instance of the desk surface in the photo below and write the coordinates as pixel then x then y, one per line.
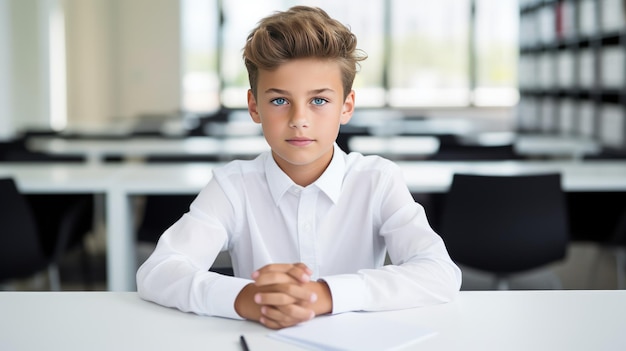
pixel 390 146
pixel 421 176
pixel 60 177
pixel 486 320
pixel 97 150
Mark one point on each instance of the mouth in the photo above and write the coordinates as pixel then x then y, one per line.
pixel 298 141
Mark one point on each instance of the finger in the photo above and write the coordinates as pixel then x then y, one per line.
pixel 304 267
pixel 295 276
pixel 285 316
pixel 285 295
pixel 272 324
pixel 289 314
pixel 281 273
pixel 275 267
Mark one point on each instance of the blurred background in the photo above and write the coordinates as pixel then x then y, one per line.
pixel 489 72
pixel 81 63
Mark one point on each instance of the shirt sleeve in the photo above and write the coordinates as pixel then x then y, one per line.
pixel 421 272
pixel 177 273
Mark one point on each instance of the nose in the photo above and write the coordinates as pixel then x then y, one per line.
pixel 298 118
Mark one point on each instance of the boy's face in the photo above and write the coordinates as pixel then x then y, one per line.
pixel 300 106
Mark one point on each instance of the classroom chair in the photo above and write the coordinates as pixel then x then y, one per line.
pixel 23 252
pixel 505 225
pixel 452 149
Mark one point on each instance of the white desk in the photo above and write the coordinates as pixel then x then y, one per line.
pixel 396 146
pixel 436 176
pixel 97 149
pixel 555 146
pixel 119 183
pixel 488 320
pixel 59 177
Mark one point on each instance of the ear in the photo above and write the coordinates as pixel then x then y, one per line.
pixel 253 108
pixel 348 108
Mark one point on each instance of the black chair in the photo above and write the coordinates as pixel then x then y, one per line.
pixel 505 225
pixel 53 212
pixel 455 151
pixel 23 253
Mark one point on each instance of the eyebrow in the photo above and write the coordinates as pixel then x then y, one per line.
pixel 311 92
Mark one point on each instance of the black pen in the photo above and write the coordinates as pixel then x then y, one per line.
pixel 244 344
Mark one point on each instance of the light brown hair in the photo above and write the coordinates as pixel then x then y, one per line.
pixel 301 32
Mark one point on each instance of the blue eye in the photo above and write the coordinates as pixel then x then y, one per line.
pixel 319 101
pixel 279 101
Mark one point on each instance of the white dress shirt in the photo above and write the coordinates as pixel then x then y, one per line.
pixel 340 226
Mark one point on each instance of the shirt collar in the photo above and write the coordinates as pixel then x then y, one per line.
pixel 329 182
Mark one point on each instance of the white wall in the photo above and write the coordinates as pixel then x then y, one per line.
pixel 123 59
pixel 6 107
pixel 24 93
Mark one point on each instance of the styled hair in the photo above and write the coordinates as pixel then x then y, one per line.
pixel 301 32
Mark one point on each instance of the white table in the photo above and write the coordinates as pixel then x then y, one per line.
pixel 55 178
pixel 119 183
pixel 487 320
pixel 391 146
pixel 97 149
pixel 436 176
pixel 396 146
pixel 555 146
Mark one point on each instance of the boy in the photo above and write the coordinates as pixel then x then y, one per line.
pixel 309 224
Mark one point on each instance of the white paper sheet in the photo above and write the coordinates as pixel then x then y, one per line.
pixel 353 331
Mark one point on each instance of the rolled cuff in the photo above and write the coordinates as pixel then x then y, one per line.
pixel 222 296
pixel 348 291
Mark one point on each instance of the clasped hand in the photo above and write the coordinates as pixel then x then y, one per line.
pixel 283 295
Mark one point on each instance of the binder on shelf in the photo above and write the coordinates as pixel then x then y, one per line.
pixel 565 69
pixel 567 116
pixel 586 114
pixel 613 16
pixel 527 72
pixel 546 70
pixel 548 115
pixel 547 24
pixel 612 67
pixel 586 70
pixel 566 17
pixel 612 126
pixel 586 18
pixel 529 35
pixel 527 114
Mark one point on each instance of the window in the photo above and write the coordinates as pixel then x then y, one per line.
pixel 429 60
pixel 496 33
pixel 420 53
pixel 200 78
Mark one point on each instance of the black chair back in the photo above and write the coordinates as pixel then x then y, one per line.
pixel 505 224
pixel 21 255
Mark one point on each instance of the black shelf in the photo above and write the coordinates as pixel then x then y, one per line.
pixel 573 53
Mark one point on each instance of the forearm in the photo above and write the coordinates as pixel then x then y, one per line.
pixel 413 284
pixel 182 286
